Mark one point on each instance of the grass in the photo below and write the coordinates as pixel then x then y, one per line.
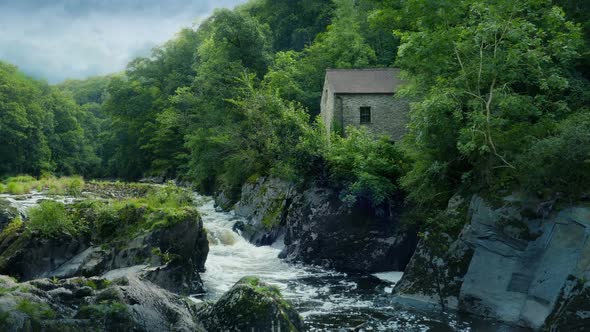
pixel 109 221
pixel 23 184
pixel 50 219
pixel 36 311
pixel 14 226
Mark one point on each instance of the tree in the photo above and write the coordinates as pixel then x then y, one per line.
pixel 494 76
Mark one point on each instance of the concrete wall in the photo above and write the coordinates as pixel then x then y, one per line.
pixel 389 116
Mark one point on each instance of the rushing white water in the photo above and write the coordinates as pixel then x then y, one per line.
pixel 23 203
pixel 327 300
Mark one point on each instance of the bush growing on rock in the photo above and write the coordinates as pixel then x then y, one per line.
pixel 364 167
pixel 50 219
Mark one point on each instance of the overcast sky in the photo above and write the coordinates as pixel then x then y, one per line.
pixel 59 39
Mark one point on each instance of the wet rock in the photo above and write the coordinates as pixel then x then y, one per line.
pixel 321 230
pixel 27 256
pixel 264 203
pixel 572 311
pixel 7 213
pixel 223 201
pixel 252 305
pixel 177 251
pixel 82 304
pixel 514 258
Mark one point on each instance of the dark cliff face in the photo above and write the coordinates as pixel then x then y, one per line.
pixel 317 228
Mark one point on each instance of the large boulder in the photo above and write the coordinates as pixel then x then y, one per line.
pixel 513 261
pixel 172 254
pixel 321 230
pixel 81 304
pixel 318 228
pixel 264 204
pixel 251 305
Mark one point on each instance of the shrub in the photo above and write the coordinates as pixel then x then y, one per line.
pixel 364 167
pixel 169 196
pixel 560 162
pixel 16 188
pixel 50 219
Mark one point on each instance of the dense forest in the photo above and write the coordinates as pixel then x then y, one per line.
pixel 500 87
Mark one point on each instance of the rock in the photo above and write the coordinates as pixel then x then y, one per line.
pixel 251 305
pixel 178 251
pixel 153 180
pixel 264 203
pixel 82 304
pixel 515 259
pixel 7 213
pixel 28 256
pixel 223 201
pixel 321 230
pixel 572 311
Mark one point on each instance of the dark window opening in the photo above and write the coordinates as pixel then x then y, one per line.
pixel 365 115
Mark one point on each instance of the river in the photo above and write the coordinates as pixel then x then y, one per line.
pixel 327 300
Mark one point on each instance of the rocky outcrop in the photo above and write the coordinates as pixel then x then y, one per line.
pixel 251 305
pixel 321 230
pixel 513 261
pixel 173 255
pixel 572 310
pixel 7 213
pixel 317 228
pixel 264 204
pixel 94 304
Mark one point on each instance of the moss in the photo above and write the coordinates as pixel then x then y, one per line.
pixel 261 287
pixel 13 228
pixel 252 179
pixel 18 243
pixel 107 315
pixel 36 311
pixel 273 216
pixel 102 310
pixel 166 257
pixel 6 290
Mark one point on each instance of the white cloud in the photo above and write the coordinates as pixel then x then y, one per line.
pixel 76 39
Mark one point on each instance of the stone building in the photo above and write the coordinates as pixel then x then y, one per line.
pixel 364 97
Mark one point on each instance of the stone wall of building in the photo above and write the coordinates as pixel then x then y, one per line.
pixel 327 108
pixel 389 115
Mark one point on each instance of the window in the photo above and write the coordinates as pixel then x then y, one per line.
pixel 365 115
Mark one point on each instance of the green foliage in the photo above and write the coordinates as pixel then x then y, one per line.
pixel 41 128
pixel 494 78
pixel 559 162
pixel 50 219
pixel 109 315
pixel 111 220
pixel 12 228
pixel 19 185
pixel 36 311
pixel 364 167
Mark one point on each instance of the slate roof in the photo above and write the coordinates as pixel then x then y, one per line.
pixel 374 80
